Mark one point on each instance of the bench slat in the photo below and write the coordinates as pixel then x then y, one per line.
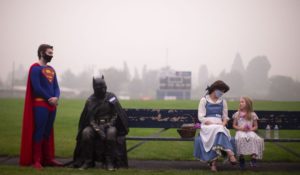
pixel 192 139
pixel 174 118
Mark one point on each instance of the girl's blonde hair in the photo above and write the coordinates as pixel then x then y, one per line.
pixel 248 108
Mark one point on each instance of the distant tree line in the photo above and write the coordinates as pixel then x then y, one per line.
pixel 119 81
pixel 252 80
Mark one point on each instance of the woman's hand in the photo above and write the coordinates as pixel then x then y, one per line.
pixel 213 123
pixel 209 122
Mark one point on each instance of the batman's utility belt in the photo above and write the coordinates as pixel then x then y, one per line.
pixel 104 119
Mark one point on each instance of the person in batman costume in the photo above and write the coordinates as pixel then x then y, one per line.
pixel 102 129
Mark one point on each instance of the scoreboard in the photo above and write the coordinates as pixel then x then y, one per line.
pixel 180 80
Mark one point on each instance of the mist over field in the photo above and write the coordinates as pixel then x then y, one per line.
pixel 252 45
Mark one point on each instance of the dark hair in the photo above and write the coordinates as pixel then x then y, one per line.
pixel 220 85
pixel 42 48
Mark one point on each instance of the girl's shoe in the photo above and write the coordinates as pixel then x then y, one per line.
pixel 242 162
pixel 253 163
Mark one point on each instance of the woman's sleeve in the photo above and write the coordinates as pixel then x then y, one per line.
pixel 201 109
pixel 225 111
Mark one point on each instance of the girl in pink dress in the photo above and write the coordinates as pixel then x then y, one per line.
pixel 247 141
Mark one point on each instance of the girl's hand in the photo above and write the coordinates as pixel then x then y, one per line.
pixel 247 128
pixel 242 129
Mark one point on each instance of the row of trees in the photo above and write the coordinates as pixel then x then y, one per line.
pixel 118 81
pixel 252 80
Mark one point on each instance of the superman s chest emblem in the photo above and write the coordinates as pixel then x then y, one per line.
pixel 48 73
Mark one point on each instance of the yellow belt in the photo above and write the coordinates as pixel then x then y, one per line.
pixel 39 99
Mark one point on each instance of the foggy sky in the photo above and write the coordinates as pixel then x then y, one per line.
pixel 101 34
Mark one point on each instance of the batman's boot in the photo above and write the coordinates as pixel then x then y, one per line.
pixel 109 163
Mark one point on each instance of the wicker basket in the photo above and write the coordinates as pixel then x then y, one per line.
pixel 187 130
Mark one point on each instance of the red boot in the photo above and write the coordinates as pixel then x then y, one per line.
pixel 37 155
pixel 48 159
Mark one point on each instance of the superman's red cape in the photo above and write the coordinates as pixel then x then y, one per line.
pixel 26 151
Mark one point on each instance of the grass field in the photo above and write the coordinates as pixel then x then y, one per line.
pixel 8 170
pixel 68 115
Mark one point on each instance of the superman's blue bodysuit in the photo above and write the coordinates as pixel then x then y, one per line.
pixel 44 85
pixel 37 144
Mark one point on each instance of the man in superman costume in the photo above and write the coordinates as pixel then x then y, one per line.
pixel 42 93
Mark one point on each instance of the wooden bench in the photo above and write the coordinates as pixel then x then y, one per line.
pixel 173 118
